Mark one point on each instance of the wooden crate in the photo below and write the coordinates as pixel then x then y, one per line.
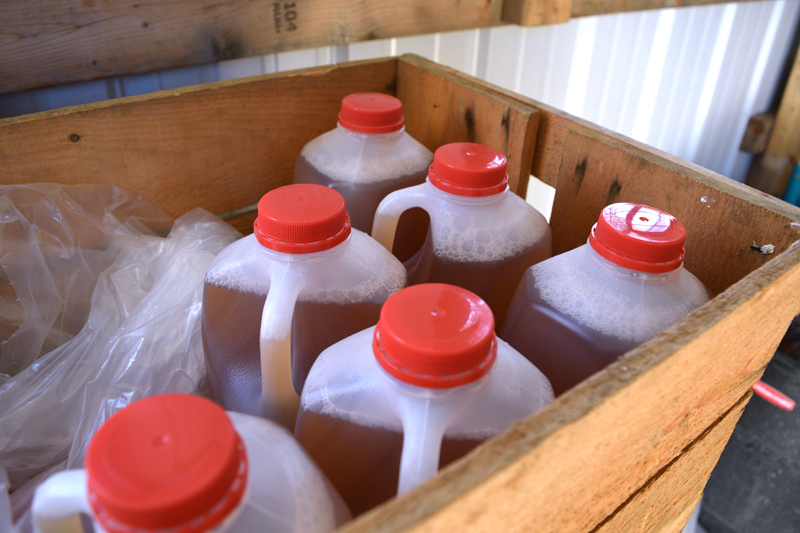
pixel 628 449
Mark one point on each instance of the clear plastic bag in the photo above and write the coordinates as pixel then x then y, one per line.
pixel 141 334
pixel 55 241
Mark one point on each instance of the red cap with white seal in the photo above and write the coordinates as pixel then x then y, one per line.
pixel 469 169
pixel 301 219
pixel 172 461
pixel 435 336
pixel 371 113
pixel 639 237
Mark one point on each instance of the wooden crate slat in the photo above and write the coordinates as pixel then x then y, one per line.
pixel 620 169
pixel 441 108
pixel 219 146
pixel 721 220
pixel 667 501
pixel 602 441
pixel 74 40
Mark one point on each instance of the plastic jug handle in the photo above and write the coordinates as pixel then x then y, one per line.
pixel 279 401
pixel 389 210
pixel 424 424
pixel 58 502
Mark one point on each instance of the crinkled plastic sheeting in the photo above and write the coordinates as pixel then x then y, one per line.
pixel 96 310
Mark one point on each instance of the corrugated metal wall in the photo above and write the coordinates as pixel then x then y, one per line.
pixel 683 80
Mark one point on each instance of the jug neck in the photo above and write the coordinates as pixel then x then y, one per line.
pixel 294 258
pixel 627 272
pixel 465 200
pixel 377 137
pixel 424 393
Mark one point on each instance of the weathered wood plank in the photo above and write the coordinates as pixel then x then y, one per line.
pixel 720 219
pixel 66 41
pixel 668 499
pixel 785 138
pixel 566 468
pixel 219 146
pixel 441 108
pixel 71 40
pixel 770 172
pixel 536 12
pixel 587 8
pixel 644 167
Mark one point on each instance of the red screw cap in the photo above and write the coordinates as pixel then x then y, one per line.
pixel 469 169
pixel 435 336
pixel 371 113
pixel 301 219
pixel 167 461
pixel 639 237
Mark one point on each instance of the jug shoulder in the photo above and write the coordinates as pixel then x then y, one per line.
pixel 617 303
pixel 359 269
pixel 346 156
pixel 347 382
pixel 487 231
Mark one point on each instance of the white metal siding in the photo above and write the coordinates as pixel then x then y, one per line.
pixel 683 80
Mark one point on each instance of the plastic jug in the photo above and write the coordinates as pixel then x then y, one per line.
pixel 273 301
pixel 574 314
pixel 367 156
pixel 179 463
pixel 384 409
pixel 482 237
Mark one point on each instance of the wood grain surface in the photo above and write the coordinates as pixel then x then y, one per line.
pixel 668 499
pixel 442 108
pixel 770 171
pixel 71 40
pixel 720 218
pixel 537 12
pixel 219 146
pixel 63 41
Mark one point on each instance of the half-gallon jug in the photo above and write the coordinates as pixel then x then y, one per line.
pixel 574 314
pixel 482 236
pixel 273 301
pixel 179 463
pixel 367 156
pixel 384 409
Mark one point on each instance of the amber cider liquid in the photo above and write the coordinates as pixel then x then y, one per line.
pixel 231 324
pixel 362 199
pixel 493 281
pixel 363 462
pixel 565 351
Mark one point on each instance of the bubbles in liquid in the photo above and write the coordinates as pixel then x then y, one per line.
pixel 343 294
pixel 365 158
pixel 364 272
pixel 633 307
pixel 489 232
